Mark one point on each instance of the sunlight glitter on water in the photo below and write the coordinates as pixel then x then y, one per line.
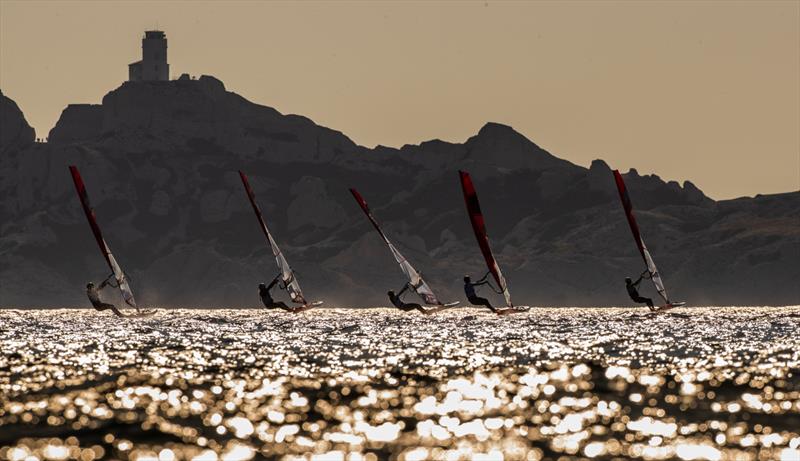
pixel 378 384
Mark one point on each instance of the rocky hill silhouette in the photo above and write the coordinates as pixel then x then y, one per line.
pixel 160 158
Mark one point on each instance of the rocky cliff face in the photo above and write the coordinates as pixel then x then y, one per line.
pixel 78 122
pixel 15 133
pixel 160 162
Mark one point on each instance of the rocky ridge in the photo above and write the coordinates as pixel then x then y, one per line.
pixel 160 162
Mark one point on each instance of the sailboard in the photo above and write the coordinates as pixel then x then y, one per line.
pixel 119 275
pixel 287 274
pixel 655 276
pixel 417 282
pixel 479 227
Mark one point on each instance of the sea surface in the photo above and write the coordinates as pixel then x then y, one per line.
pixel 347 384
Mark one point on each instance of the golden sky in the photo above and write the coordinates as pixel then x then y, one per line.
pixel 705 91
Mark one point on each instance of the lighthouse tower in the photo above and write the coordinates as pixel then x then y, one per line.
pixel 153 66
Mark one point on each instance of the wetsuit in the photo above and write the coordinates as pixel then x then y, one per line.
pixel 403 306
pixel 94 297
pixel 634 293
pixel 474 299
pixel 266 298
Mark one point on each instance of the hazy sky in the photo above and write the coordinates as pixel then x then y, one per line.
pixel 708 92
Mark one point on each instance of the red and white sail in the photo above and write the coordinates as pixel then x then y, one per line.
pixel 655 276
pixel 287 274
pixel 119 275
pixel 419 285
pixel 479 227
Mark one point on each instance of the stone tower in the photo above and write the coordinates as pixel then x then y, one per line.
pixel 153 66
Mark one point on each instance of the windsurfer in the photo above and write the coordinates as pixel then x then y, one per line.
pixel 266 297
pixel 475 300
pixel 633 291
pixel 404 306
pixel 407 307
pixel 94 296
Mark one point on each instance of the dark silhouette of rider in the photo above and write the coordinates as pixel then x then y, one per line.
pixel 633 291
pixel 94 297
pixel 266 297
pixel 404 306
pixel 472 297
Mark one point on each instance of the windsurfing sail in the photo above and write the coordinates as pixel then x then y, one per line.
pixel 287 274
pixel 417 283
pixel 655 276
pixel 119 275
pixel 479 227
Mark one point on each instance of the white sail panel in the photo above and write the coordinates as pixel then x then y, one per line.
pixel 287 274
pixel 654 275
pixel 122 280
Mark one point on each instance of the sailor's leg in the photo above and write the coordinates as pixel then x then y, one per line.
pixel 111 307
pixel 643 300
pixel 478 301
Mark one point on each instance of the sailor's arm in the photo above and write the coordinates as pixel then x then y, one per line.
pixel 273 282
pixel 484 282
pixel 108 281
pixel 405 287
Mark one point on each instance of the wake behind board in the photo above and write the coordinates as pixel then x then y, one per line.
pixel 669 306
pixel 141 314
pixel 315 304
pixel 515 310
